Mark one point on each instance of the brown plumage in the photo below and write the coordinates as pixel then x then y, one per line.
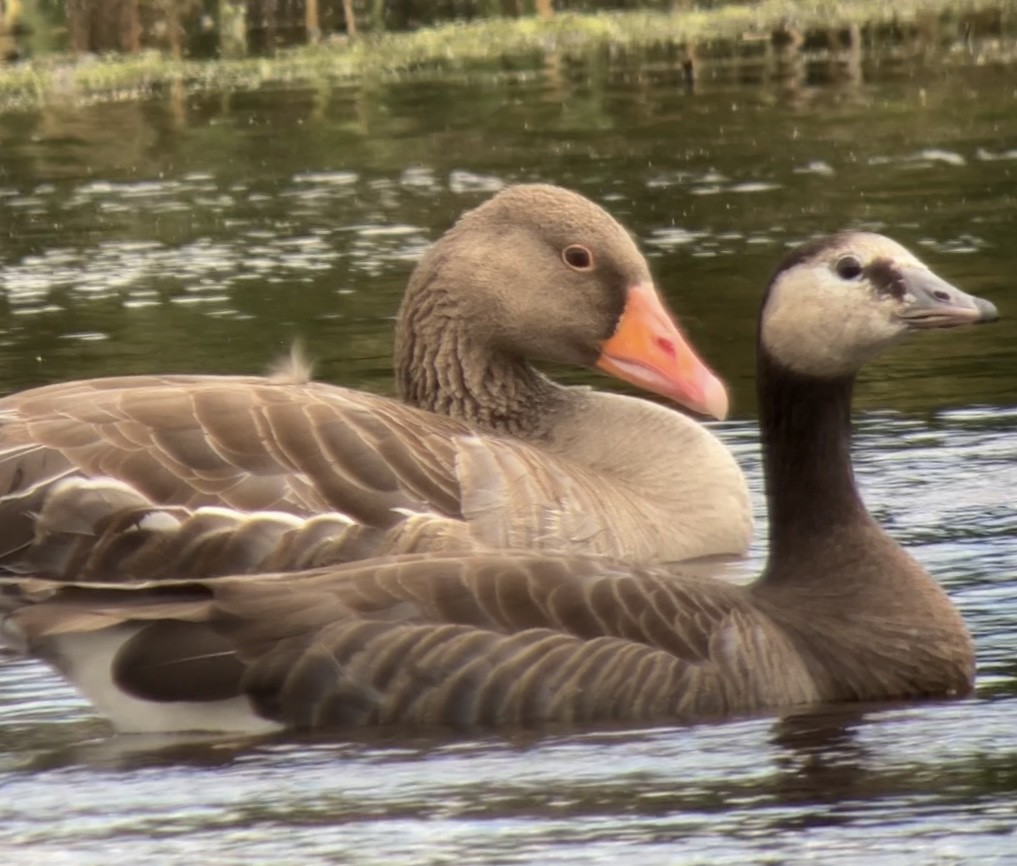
pixel 537 272
pixel 840 613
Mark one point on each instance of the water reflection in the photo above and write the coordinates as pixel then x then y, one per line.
pixel 134 243
pixel 729 789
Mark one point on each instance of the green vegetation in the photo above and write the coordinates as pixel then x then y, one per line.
pixel 464 46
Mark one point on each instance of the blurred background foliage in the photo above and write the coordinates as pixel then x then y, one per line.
pixel 231 28
pixel 202 27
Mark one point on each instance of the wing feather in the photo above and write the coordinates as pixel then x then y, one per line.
pixel 306 448
pixel 488 639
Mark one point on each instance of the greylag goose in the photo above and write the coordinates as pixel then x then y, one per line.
pixel 511 458
pixel 840 612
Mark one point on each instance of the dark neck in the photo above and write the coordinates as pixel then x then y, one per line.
pixel 868 620
pixel 441 367
pixel 805 426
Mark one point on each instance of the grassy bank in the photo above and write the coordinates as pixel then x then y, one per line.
pixel 464 46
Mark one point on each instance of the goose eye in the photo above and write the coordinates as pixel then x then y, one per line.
pixel 849 268
pixel 577 257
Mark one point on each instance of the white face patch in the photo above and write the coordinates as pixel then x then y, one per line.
pixel 819 323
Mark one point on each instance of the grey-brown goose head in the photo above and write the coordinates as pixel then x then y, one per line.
pixel 538 273
pixel 832 305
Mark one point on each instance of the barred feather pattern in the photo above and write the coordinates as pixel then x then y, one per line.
pixel 304 449
pixel 487 640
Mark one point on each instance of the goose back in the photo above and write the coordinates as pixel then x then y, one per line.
pixel 491 639
pixel 305 449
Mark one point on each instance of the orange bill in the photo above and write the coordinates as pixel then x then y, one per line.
pixel 648 350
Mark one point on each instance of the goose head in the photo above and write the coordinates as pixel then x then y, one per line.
pixel 837 302
pixel 540 273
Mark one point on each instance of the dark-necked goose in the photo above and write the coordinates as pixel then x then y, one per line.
pixel 840 613
pixel 536 272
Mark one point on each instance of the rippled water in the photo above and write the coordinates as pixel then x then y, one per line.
pixel 204 232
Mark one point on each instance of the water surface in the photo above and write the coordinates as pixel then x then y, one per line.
pixel 204 232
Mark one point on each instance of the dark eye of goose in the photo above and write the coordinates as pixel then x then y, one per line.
pixel 848 268
pixel 577 257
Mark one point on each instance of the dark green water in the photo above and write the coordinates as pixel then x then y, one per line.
pixel 204 232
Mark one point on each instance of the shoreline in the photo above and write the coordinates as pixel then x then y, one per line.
pixel 479 44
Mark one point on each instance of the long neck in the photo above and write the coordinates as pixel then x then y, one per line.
pixel 868 619
pixel 440 366
pixel 805 425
